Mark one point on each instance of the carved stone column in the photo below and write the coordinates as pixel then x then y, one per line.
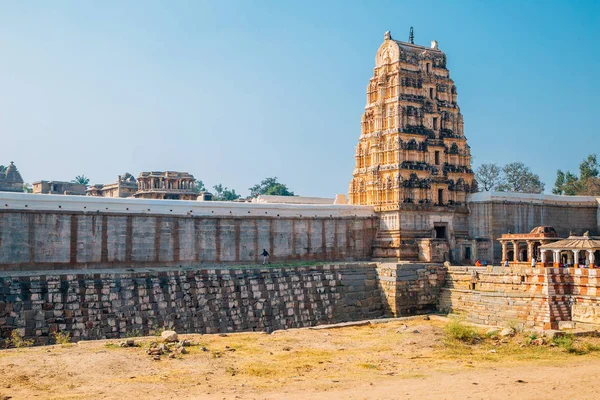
pixel 515 251
pixel 556 258
pixel 575 258
pixel 504 251
pixel 529 250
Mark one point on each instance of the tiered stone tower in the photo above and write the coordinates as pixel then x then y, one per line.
pixel 413 162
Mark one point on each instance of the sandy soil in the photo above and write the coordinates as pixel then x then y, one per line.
pixel 402 359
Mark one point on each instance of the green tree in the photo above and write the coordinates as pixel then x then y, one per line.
pixel 270 186
pixel 81 179
pixel 566 183
pixel 488 176
pixel 199 186
pixel 587 183
pixel 222 193
pixel 519 178
pixel 588 168
pixel 27 188
pixel 2 168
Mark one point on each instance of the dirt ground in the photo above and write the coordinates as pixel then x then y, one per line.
pixel 412 359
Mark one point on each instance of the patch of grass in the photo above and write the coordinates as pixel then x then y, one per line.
pixel 457 330
pixel 63 338
pixel 134 333
pixel 530 338
pixel 157 330
pixel 16 340
pixel 111 345
pixel 573 345
pixel 368 366
pixel 565 341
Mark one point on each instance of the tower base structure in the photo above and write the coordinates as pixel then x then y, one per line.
pixel 427 234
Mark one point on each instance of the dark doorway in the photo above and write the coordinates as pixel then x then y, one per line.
pixel 441 197
pixel 437 158
pixel 467 253
pixel 440 232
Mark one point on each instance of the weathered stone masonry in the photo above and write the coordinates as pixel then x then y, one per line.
pixel 107 304
pixel 534 297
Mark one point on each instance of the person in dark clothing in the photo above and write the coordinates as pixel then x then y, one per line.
pixel 265 255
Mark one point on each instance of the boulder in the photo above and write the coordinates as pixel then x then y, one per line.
pixel 169 336
pixel 507 332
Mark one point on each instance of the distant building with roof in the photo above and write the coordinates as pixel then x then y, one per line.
pixel 59 187
pixel 167 185
pixel 125 186
pixel 10 179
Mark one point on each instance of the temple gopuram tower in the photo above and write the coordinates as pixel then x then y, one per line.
pixel 413 163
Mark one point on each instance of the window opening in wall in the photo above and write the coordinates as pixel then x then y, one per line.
pixel 428 67
pixel 431 93
pixel 441 197
pixel 435 124
pixel 467 253
pixel 473 286
pixel 440 232
pixel 437 158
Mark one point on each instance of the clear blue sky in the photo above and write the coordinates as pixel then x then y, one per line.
pixel 237 91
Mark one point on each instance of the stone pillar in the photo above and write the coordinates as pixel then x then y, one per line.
pixel 515 251
pixel 543 256
pixel 504 251
pixel 529 251
pixel 591 257
pixel 556 258
pixel 575 258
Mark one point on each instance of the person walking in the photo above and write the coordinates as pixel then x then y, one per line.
pixel 265 255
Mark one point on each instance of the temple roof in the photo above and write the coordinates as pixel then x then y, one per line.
pixel 12 174
pixel 539 232
pixel 165 174
pixel 415 47
pixel 585 242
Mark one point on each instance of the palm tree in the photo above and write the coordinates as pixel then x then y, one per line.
pixel 81 179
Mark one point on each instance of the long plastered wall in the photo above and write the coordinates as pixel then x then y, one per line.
pixel 494 214
pixel 54 232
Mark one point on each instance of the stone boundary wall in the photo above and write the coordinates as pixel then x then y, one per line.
pixel 106 304
pixel 493 214
pixel 532 297
pixel 409 289
pixel 75 232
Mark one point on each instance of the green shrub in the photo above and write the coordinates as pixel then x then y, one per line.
pixel 133 333
pixel 62 337
pixel 16 340
pixel 457 330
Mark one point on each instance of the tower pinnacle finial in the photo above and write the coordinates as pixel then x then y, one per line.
pixel 411 36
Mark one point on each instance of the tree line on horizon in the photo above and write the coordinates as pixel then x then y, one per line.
pixel 517 177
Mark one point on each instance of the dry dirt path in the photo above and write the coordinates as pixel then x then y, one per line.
pixel 397 360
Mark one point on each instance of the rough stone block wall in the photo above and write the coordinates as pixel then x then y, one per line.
pixel 585 295
pixel 105 304
pixel 36 239
pixel 410 288
pixel 534 297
